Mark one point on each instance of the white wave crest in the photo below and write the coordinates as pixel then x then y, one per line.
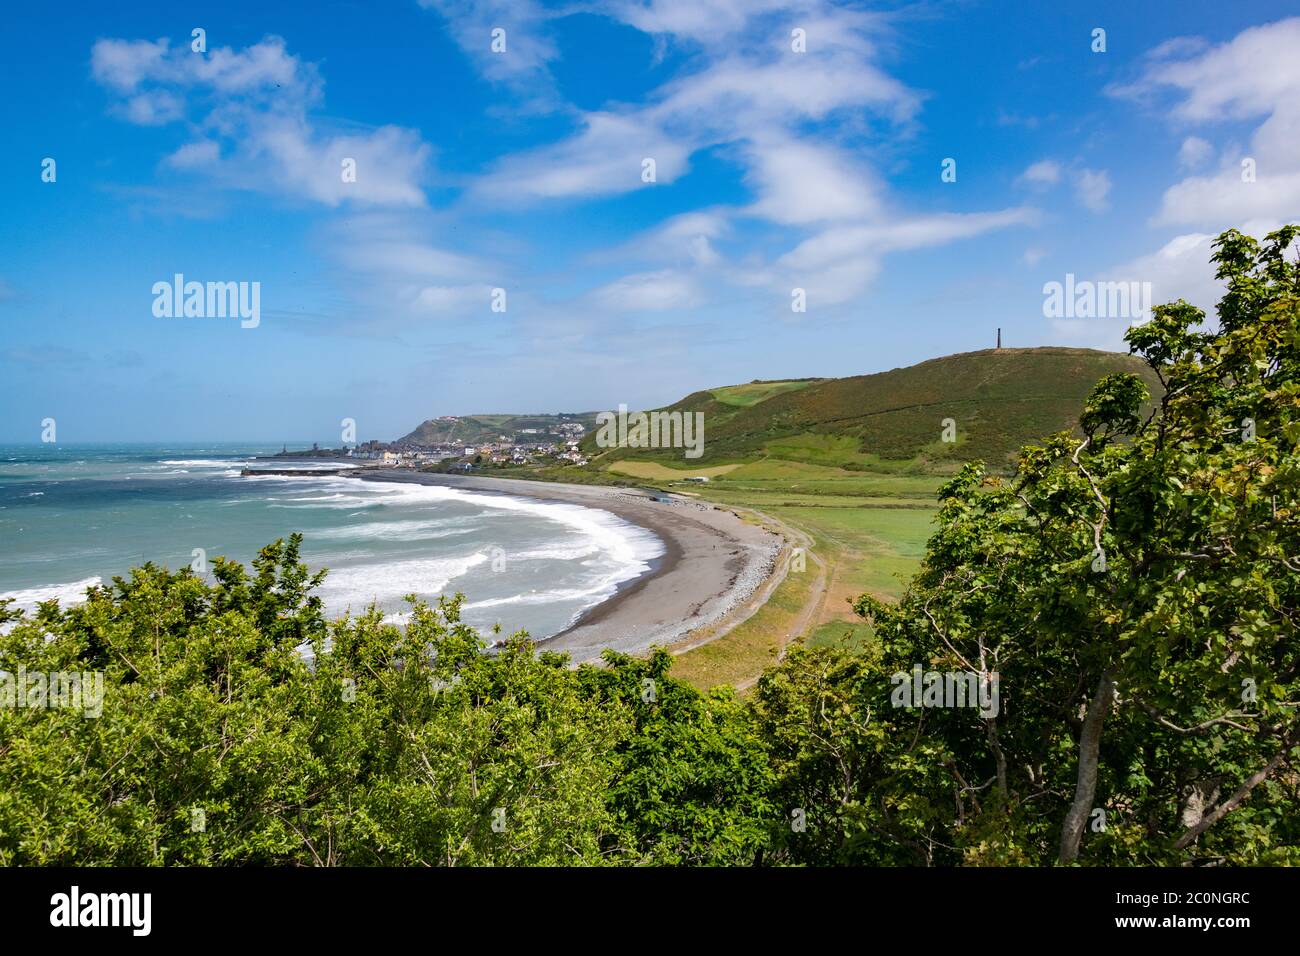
pixel 74 592
pixel 356 587
pixel 392 531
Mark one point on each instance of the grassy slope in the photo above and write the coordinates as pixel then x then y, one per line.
pixel 754 392
pixel 999 400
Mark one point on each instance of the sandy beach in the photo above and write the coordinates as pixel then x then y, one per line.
pixel 713 562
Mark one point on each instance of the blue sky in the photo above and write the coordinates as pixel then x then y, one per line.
pixel 522 170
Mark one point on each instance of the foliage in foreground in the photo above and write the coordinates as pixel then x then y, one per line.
pixel 220 743
pixel 1134 588
pixel 1137 589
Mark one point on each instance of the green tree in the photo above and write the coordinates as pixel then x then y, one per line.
pixel 854 788
pixel 1135 586
pixel 239 727
pixel 692 783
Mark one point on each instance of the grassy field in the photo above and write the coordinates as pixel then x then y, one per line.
pixel 774 476
pixel 654 471
pixel 869 530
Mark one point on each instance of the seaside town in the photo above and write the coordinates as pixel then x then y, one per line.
pixel 555 443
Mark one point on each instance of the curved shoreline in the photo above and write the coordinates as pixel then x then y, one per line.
pixel 713 562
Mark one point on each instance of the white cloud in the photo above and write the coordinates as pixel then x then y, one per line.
pixel 455 299
pixel 125 64
pixel 1223 199
pixel 785 116
pixel 800 182
pixel 899 234
pixel 1194 152
pixel 196 155
pixel 262 67
pixel 605 158
pixel 649 292
pixel 702 21
pixel 253 122
pixel 152 108
pixel 1092 186
pixel 1177 47
pixel 1253 76
pixel 266 67
pixel 377 253
pixel 749 82
pixel 389 161
pixel 393 271
pixel 687 238
pixel 839 263
pixel 741 93
pixel 524 63
pixel 1180 269
pixel 696 231
pixel 1045 172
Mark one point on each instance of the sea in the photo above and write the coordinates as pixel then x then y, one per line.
pixel 73 516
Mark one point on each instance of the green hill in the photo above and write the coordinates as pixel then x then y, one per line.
pixel 998 400
pixel 478 429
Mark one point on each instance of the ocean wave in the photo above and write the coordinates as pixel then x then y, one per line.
pixel 623 541
pixel 393 531
pixel 73 592
pixel 589 595
pixel 556 554
pixel 326 505
pixel 628 548
pixel 356 587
